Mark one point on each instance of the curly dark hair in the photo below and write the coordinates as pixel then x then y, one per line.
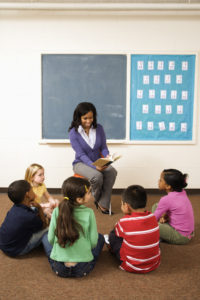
pixel 82 109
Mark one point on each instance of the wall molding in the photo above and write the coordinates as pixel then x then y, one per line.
pixel 3 190
pixel 105 7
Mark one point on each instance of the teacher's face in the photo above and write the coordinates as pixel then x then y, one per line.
pixel 86 120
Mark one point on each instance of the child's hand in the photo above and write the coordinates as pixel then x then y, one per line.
pixel 35 204
pixel 164 219
pixel 53 203
pixel 48 212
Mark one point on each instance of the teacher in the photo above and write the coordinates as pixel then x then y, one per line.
pixel 89 143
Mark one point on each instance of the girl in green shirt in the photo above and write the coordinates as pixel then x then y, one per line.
pixel 73 243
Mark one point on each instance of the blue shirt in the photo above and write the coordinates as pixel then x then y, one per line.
pixel 16 230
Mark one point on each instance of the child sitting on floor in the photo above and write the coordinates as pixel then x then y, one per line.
pixel 135 238
pixel 23 227
pixel 35 176
pixel 73 244
pixel 174 211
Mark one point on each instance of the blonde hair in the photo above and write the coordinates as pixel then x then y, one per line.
pixel 31 171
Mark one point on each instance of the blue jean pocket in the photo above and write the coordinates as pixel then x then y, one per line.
pixel 79 270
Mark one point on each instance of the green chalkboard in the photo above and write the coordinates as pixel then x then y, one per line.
pixel 68 79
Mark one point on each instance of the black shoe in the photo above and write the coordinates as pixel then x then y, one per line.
pixel 104 211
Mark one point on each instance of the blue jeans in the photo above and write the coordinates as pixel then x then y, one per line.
pixel 34 241
pixel 80 269
pixel 115 244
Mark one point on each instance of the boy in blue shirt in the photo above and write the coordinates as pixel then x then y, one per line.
pixel 25 224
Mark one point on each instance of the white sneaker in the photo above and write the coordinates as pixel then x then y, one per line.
pixel 106 238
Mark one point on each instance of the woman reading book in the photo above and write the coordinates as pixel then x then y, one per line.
pixel 89 143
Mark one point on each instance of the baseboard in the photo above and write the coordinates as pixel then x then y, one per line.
pixel 114 191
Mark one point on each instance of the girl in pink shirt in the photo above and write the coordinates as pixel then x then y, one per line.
pixel 174 211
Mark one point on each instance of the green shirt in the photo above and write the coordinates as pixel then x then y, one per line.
pixel 80 251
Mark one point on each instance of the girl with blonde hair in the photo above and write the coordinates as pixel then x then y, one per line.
pixel 35 176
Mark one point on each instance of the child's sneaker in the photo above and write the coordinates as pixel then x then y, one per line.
pixel 106 238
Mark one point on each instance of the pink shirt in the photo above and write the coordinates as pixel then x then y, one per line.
pixel 179 209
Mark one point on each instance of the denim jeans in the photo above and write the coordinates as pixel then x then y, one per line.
pixel 34 241
pixel 80 269
pixel 115 244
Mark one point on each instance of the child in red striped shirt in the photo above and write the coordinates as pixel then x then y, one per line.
pixel 135 238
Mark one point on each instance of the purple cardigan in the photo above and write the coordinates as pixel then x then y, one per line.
pixel 83 152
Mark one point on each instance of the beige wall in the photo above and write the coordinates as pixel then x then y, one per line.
pixel 24 35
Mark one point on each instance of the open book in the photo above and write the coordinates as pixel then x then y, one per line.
pixel 106 161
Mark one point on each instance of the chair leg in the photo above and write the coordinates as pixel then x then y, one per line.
pixel 110 209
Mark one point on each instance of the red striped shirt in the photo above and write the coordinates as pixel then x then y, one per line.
pixel 140 252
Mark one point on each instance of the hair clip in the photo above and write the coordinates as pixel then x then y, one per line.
pixel 86 188
pixel 66 198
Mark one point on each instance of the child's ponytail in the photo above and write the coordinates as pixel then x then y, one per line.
pixel 68 229
pixel 175 179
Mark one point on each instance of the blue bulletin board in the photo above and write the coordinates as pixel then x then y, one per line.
pixel 162 97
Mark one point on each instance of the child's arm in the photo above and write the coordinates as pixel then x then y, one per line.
pixel 164 219
pixel 53 202
pixel 118 230
pixel 93 231
pixel 47 196
pixel 40 213
pixel 52 226
pixel 162 208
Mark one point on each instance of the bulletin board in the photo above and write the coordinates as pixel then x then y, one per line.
pixel 162 97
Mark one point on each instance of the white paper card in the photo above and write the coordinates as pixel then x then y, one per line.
pixel 150 125
pixel 184 95
pixel 151 94
pixel 184 65
pixel 145 108
pixel 157 109
pixel 183 127
pixel 167 78
pixel 163 94
pixel 173 94
pixel 171 65
pixel 179 109
pixel 140 65
pixel 156 79
pixel 139 94
pixel 150 65
pixel 168 109
pixel 146 79
pixel 139 125
pixel 171 126
pixel 161 126
pixel 179 79
pixel 160 65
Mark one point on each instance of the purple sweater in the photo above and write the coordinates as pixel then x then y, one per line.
pixel 179 209
pixel 83 152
